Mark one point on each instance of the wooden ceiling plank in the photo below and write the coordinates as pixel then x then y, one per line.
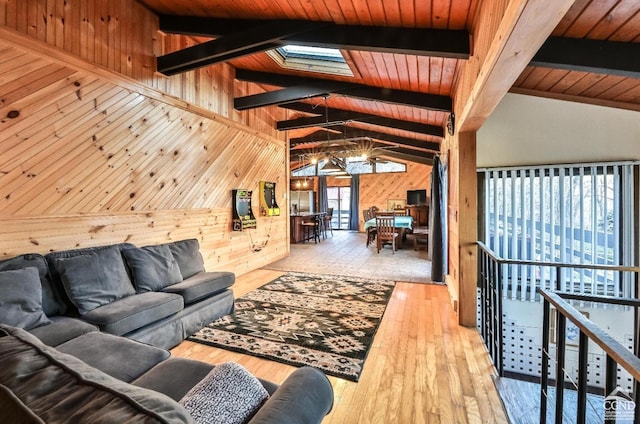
pixel 371 71
pixel 459 15
pixel 440 13
pixel 391 69
pixel 376 11
pixel 424 76
pixel 448 74
pixel 551 79
pixel 597 89
pixel 423 14
pixel 565 84
pixel 614 20
pixel 630 31
pixel 630 96
pixel 589 18
pixel 340 12
pixel 585 84
pixel 570 17
pixel 535 77
pixel 413 73
pixel 435 73
pixel 624 86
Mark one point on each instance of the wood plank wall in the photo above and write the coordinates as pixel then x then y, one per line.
pixel 375 190
pixel 92 155
pixel 123 36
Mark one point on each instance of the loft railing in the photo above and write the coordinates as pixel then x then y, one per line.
pixel 617 355
pixel 498 282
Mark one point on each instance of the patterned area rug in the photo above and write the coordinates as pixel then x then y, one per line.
pixel 325 321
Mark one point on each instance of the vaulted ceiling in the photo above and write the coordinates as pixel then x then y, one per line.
pixel 406 58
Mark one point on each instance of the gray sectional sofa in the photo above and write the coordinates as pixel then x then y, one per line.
pixel 154 294
pixel 103 378
pixel 84 334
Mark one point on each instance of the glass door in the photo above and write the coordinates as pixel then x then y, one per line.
pixel 339 198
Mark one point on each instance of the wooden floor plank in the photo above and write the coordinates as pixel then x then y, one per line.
pixel 422 367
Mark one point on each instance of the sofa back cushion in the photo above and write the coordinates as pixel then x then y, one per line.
pixel 187 255
pixel 52 301
pixel 94 279
pixel 41 383
pixel 21 298
pixel 54 276
pixel 152 267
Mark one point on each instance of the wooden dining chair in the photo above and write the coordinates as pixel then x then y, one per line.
pixel 387 234
pixel 371 231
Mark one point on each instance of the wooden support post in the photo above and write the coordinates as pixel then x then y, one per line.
pixel 468 228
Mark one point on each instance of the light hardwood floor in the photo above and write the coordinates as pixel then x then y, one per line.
pixel 422 367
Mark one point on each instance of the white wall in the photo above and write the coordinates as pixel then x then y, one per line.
pixel 525 130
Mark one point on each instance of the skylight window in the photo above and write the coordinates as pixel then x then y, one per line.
pixel 308 52
pixel 311 59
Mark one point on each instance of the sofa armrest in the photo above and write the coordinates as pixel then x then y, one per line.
pixel 306 396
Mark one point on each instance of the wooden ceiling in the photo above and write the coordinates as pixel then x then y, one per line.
pixel 614 81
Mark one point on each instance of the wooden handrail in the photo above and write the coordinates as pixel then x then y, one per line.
pixel 608 344
pixel 496 258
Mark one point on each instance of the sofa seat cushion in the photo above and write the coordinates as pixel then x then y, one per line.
pixel 185 373
pixel 94 279
pixel 21 298
pixel 201 285
pixel 119 357
pixel 41 384
pixel 133 312
pixel 62 329
pixel 152 267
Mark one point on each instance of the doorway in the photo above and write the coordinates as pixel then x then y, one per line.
pixel 339 198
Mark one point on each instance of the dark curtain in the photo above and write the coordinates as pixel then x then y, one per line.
pixel 438 222
pixel 354 218
pixel 323 201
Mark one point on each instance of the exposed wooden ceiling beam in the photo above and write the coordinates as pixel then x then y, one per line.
pixel 354 133
pixel 299 88
pixel 524 27
pixel 379 150
pixel 340 116
pixel 416 41
pixel 599 56
pixel 409 157
pixel 250 40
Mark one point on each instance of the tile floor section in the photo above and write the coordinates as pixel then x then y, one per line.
pixel 346 254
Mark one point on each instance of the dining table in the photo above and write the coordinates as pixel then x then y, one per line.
pixel 403 223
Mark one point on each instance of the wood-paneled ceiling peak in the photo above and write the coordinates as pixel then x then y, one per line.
pixel 591 56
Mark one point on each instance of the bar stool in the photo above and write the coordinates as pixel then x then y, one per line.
pixel 327 222
pixel 311 229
